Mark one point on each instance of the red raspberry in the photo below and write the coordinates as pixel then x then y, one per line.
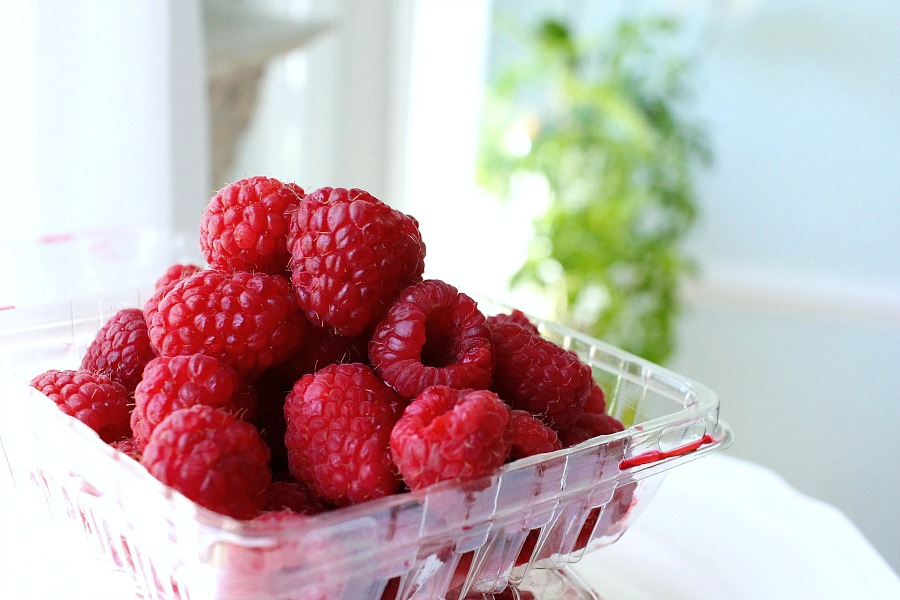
pixel 514 316
pixel 596 400
pixel 450 434
pixel 94 399
pixel 212 458
pixel 249 321
pixel 176 273
pixel 245 225
pixel 171 383
pixel 590 425
pixel 351 255
pixel 432 335
pixel 127 446
pixel 531 436
pixel 295 497
pixel 534 374
pixel 268 417
pixel 339 421
pixel 121 348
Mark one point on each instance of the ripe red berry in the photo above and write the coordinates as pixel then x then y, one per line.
pixel 249 321
pixel 171 383
pixel 95 400
pixel 120 348
pixel 339 422
pixel 596 400
pixel 449 434
pixel 432 335
pixel 212 458
pixel 590 425
pixel 295 497
pixel 514 316
pixel 245 225
pixel 166 282
pixel 531 436
pixel 176 273
pixel 351 255
pixel 532 373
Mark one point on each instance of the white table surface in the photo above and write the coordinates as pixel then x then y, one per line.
pixel 719 528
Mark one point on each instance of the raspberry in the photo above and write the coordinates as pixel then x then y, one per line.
pixel 245 225
pixel 249 321
pixel 531 436
pixel 351 255
pixel 295 497
pixel 269 417
pixel 534 374
pixel 339 421
pixel 176 273
pixel 121 348
pixel 127 446
pixel 514 316
pixel 212 458
pixel 94 399
pixel 171 383
pixel 450 434
pixel 590 425
pixel 596 400
pixel 432 335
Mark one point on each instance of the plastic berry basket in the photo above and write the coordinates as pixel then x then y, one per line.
pixel 516 530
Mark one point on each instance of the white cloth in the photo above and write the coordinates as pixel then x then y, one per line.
pixel 721 528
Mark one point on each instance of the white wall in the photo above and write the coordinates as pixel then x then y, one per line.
pixel 796 318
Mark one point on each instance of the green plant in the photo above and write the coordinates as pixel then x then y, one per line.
pixel 599 126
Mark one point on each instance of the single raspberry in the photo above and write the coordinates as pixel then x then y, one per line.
pixel 322 346
pixel 249 321
pixel 176 273
pixel 120 348
pixel 351 255
pixel 245 225
pixel 590 425
pixel 531 436
pixel 166 282
pixel 212 458
pixel 171 383
pixel 126 446
pixel 596 400
pixel 94 399
pixel 450 434
pixel 514 316
pixel 339 421
pixel 432 335
pixel 296 497
pixel 534 374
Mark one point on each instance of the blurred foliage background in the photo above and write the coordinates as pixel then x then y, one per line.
pixel 598 127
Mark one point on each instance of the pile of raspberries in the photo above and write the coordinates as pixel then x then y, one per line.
pixel 309 366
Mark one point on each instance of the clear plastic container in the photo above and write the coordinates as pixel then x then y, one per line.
pixel 515 531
